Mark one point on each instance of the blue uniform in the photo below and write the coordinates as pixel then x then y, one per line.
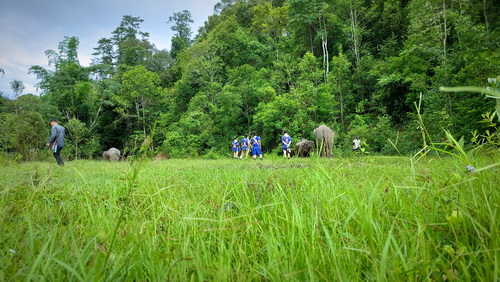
pixel 256 146
pixel 286 140
pixel 236 146
pixel 244 144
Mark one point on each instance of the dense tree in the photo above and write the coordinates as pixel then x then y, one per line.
pixel 130 43
pixel 103 65
pixel 341 85
pixel 368 68
pixel 23 133
pixel 58 85
pixel 139 99
pixel 161 63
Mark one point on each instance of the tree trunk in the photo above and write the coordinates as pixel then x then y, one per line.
pixel 341 108
pixel 324 45
pixel 76 149
pixel 355 40
pixel 445 61
pixel 486 19
pixel 445 29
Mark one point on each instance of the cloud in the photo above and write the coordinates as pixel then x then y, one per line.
pixel 30 27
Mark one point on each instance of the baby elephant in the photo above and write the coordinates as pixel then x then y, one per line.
pixel 304 148
pixel 112 154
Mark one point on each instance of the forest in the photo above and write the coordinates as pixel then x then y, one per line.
pixel 371 68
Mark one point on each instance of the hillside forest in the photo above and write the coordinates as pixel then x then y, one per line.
pixel 371 68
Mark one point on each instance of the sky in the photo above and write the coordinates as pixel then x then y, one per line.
pixel 30 27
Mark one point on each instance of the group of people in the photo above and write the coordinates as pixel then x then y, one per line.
pixel 252 145
pixel 256 146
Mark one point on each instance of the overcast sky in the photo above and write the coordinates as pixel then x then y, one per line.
pixel 30 27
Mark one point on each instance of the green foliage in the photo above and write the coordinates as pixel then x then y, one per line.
pixel 235 46
pixel 358 66
pixel 375 133
pixel 24 133
pixel 131 44
pixel 175 145
pixel 139 98
pixel 340 85
pixel 81 141
pixel 182 39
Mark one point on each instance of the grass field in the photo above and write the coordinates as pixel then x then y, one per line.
pixel 340 219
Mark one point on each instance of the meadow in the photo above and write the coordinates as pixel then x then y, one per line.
pixel 340 219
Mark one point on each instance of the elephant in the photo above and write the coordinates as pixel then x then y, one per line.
pixel 324 140
pixel 112 154
pixel 304 147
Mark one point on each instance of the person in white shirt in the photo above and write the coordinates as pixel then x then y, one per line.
pixel 356 144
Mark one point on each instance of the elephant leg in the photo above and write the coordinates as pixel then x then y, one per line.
pixel 330 148
pixel 325 148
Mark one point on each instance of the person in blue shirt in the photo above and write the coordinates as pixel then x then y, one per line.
pixel 256 146
pixel 56 140
pixel 286 141
pixel 236 147
pixel 244 146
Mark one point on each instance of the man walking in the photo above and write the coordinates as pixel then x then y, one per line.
pixel 56 140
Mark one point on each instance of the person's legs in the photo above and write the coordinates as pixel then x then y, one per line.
pixel 57 156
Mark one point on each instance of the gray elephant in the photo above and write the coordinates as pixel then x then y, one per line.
pixel 324 140
pixel 303 148
pixel 112 154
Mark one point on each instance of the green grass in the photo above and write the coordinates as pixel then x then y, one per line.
pixel 345 219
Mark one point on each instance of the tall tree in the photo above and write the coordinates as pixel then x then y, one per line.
pixel 271 20
pixel 314 21
pixel 182 38
pixel 161 63
pixel 17 87
pixel 131 43
pixel 104 65
pixel 352 14
pixel 62 86
pixel 340 84
pixel 76 134
pixel 140 93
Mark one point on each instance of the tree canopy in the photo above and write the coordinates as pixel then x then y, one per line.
pixel 366 68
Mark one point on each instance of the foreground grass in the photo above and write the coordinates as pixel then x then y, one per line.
pixel 376 218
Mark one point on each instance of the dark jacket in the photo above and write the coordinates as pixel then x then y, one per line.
pixel 57 134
